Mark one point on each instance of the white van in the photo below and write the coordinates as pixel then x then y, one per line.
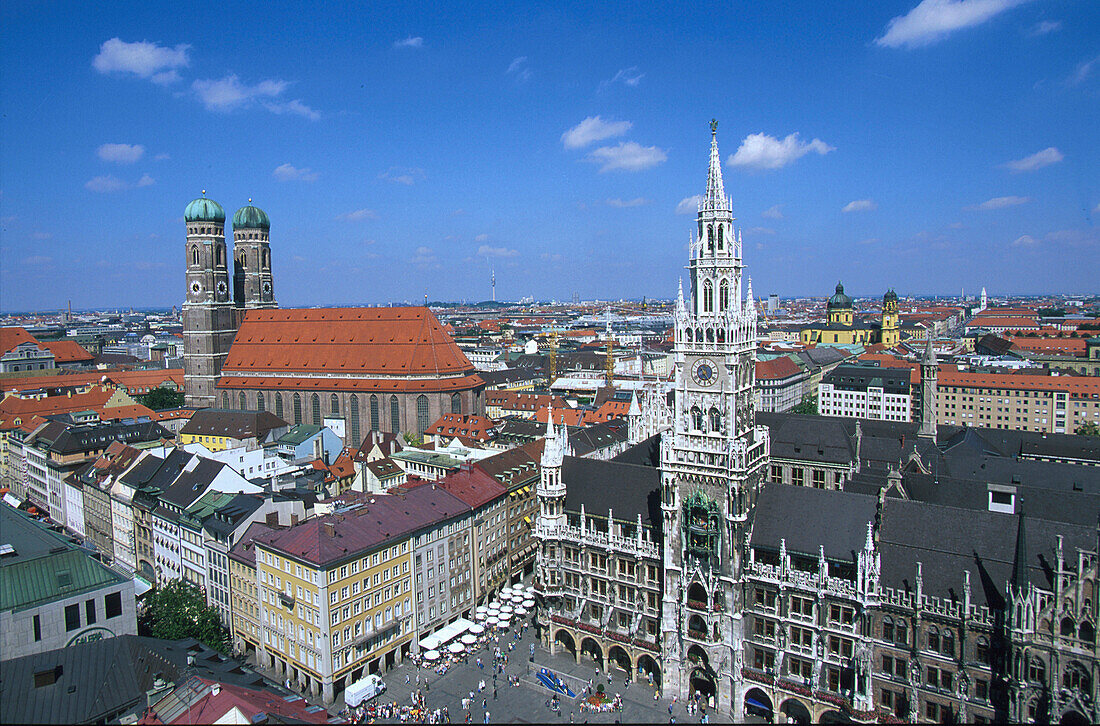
pixel 363 690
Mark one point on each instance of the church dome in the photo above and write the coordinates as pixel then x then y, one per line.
pixel 839 300
pixel 204 210
pixel 251 218
pixel 890 296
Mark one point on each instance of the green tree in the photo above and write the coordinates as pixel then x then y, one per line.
pixel 159 399
pixel 808 406
pixel 1088 429
pixel 179 610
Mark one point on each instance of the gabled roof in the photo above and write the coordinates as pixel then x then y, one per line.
pixel 364 341
pixel 234 424
pixel 68 351
pixel 464 425
pixel 777 368
pixel 11 338
pixel 627 490
pixel 786 514
pixel 473 486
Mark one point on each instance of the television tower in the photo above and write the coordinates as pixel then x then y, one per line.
pixel 493 282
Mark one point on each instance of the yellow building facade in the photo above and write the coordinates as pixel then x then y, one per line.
pixel 843 328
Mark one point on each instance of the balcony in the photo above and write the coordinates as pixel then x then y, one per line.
pixel 286 600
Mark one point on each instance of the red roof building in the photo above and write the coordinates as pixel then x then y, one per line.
pixel 387 369
pixel 468 427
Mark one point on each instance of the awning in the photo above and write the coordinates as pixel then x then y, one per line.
pixel 757 704
pixel 446 634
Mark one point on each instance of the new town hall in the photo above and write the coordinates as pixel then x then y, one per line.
pixel 907 583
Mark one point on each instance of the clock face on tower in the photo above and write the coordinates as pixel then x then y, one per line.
pixel 196 287
pixel 267 287
pixel 704 372
pixel 222 287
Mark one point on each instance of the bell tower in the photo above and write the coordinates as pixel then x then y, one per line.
pixel 890 334
pixel 712 460
pixel 208 320
pixel 253 285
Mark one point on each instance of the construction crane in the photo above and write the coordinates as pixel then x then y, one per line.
pixel 609 365
pixel 553 355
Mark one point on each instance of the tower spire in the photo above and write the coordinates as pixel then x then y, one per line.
pixel 716 191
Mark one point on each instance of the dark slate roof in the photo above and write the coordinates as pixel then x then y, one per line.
pixel 508 375
pixel 106 676
pixel 626 489
pixel 948 540
pixel 243 551
pixel 189 485
pixel 806 518
pixel 66 439
pixel 644 453
pixel 851 377
pixel 820 438
pixel 823 355
pixel 513 467
pixel 597 436
pixel 234 424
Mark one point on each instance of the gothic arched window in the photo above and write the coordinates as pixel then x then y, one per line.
pixel 723 293
pixel 696 418
pixel 261 405
pixel 242 404
pixel 353 415
pixel 1069 629
pixel 221 255
pixel 279 405
pixel 297 408
pixel 395 414
pixel 374 413
pixel 194 255
pixel 715 420
pixel 334 404
pixel 1075 677
pixel 421 413
pixel 267 259
pixel 708 297
pixel 456 403
pixel 225 399
pixel 315 408
pixel 710 238
pixel 244 259
pixel 1036 671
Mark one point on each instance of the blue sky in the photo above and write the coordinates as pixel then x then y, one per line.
pixel 407 149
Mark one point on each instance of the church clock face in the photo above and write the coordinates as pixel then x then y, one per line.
pixel 222 288
pixel 266 288
pixel 704 372
pixel 196 287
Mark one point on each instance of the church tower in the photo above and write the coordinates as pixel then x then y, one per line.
pixel 208 320
pixel 712 460
pixel 252 280
pixel 890 334
pixel 929 372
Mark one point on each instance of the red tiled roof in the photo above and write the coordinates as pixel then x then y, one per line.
pixel 1068 346
pixel 994 321
pixel 776 368
pixel 133 381
pixel 892 361
pixel 466 425
pixel 1077 386
pixel 255 705
pixel 12 337
pixel 363 341
pixel 572 416
pixel 13 408
pixel 350 385
pixel 68 351
pixel 473 486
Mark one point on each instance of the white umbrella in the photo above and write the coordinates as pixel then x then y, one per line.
pixel 468 639
pixel 529 603
pixel 506 610
pixel 504 618
pixel 494 610
pixel 431 655
pixel 530 589
pixel 481 609
pixel 502 626
pixel 494 604
pixel 480 616
pixel 456 647
pixel 492 620
pixel 520 610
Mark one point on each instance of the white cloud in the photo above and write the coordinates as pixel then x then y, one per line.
pixel 161 157
pixel 358 215
pixel 1025 240
pixel 143 59
pixel 1047 26
pixel 997 203
pixel 627 76
pixel 627 156
pixel 401 175
pixel 591 130
pixel 286 172
pixel 518 68
pixel 121 153
pixel 481 238
pixel 623 203
pixel 294 107
pixel 760 230
pixel 934 20
pixel 487 251
pixel 1084 70
pixel 760 151
pixel 1038 160
pixel 689 205
pixel 773 212
pixel 423 256
pixel 409 42
pixel 226 94
pixel 104 184
pixel 860 205
pixel 146 181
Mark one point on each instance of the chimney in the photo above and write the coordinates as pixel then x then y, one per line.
pixel 328 528
pixel 272 519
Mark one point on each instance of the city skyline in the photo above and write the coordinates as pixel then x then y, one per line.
pixel 926 147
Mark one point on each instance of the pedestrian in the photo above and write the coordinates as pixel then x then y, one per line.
pixel 406 679
pixel 486 717
pixel 494 693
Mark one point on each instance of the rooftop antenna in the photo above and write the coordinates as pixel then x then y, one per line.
pixel 493 282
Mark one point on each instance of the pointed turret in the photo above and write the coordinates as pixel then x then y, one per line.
pixel 751 307
pixel 929 371
pixel 716 191
pixel 929 358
